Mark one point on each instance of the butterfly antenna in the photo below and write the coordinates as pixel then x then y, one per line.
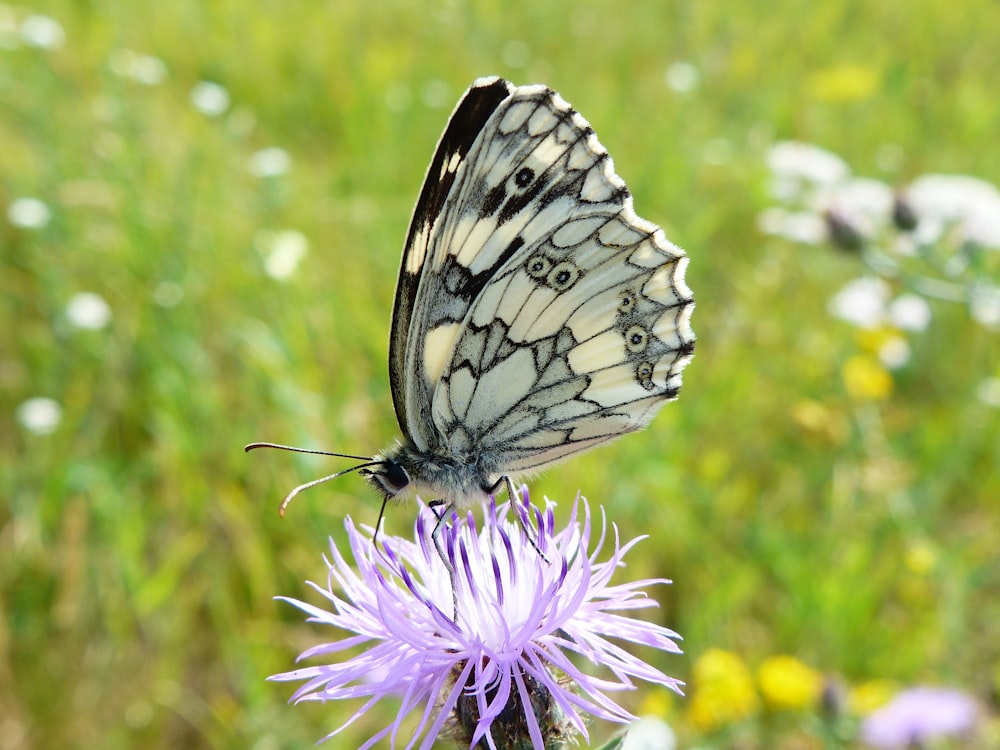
pixel 288 498
pixel 251 446
pixel 368 461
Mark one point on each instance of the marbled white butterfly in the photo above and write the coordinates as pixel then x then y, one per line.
pixel 536 315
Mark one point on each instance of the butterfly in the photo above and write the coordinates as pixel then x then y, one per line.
pixel 536 315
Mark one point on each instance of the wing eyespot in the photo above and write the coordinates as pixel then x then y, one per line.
pixel 636 339
pixel 538 267
pixel 628 302
pixel 644 374
pixel 563 276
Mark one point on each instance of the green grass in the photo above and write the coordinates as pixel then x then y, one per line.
pixel 141 548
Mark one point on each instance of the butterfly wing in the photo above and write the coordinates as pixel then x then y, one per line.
pixel 549 365
pixel 418 283
pixel 546 317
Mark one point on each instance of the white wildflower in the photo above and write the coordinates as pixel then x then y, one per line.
pixel 29 213
pixel 42 32
pixel 88 310
pixel 210 98
pixel 39 415
pixel 270 162
pixel 683 77
pixel 910 312
pixel 861 302
pixel 144 69
pixel 282 250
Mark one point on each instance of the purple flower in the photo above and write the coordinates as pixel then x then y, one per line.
pixel 917 715
pixel 519 619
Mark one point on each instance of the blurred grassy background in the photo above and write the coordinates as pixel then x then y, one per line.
pixel 141 548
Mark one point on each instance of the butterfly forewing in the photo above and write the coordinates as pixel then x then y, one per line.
pixel 464 127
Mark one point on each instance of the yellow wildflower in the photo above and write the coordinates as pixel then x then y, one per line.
pixel 873 340
pixel 722 691
pixel 866 379
pixel 843 83
pixel 787 683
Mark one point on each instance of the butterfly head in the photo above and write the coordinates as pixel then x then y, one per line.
pixel 388 476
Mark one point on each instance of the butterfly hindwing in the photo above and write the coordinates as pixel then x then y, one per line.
pixel 580 338
pixel 543 316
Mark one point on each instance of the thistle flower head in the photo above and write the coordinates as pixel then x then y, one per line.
pixel 500 674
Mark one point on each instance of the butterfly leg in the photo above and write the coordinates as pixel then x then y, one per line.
pixel 442 519
pixel 434 505
pixel 378 523
pixel 523 519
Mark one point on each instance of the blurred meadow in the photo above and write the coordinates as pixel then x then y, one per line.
pixel 202 208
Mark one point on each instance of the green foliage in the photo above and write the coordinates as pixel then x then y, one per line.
pixel 141 548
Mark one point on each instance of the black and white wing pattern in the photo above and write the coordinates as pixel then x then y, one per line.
pixel 420 279
pixel 536 314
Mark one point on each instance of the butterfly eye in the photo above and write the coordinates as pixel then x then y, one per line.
pixel 396 476
pixel 636 339
pixel 538 266
pixel 524 177
pixel 644 374
pixel 563 276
